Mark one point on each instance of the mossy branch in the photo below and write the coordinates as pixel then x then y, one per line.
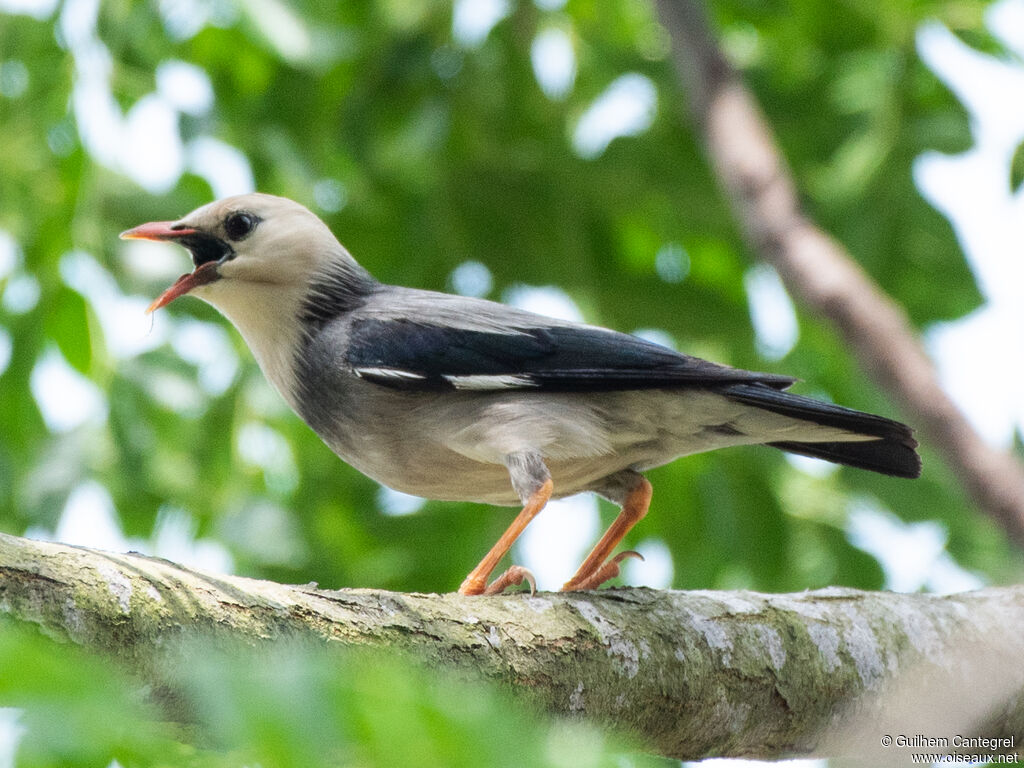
pixel 693 674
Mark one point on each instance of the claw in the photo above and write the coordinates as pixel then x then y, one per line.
pixel 628 553
pixel 608 570
pixel 513 577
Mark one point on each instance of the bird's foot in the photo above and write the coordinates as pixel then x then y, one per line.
pixel 513 577
pixel 601 574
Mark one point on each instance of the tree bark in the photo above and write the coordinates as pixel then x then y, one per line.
pixel 820 273
pixel 692 674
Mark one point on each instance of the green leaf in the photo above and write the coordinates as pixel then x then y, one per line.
pixel 67 323
pixel 1017 169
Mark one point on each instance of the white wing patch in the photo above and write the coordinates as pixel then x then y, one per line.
pixel 389 373
pixel 479 383
pixel 492 382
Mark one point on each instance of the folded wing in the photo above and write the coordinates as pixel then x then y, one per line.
pixel 412 355
pixel 406 354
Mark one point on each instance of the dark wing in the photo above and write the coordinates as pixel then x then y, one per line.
pixel 407 354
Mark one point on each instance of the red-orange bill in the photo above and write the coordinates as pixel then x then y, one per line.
pixel 156 230
pixel 204 273
pixel 162 231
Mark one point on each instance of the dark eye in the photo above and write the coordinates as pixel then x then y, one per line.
pixel 239 225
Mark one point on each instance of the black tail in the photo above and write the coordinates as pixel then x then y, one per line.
pixel 891 453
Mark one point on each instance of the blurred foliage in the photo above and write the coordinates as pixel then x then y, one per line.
pixel 219 706
pixel 1017 169
pixel 423 152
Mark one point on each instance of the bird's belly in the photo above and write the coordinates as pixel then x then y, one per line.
pixel 438 474
pixel 461 479
pixel 427 469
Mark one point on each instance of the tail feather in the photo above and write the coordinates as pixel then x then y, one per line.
pixel 891 453
pixel 885 456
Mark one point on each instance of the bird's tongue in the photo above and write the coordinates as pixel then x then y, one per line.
pixel 204 273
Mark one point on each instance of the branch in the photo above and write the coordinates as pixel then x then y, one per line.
pixel 692 674
pixel 819 272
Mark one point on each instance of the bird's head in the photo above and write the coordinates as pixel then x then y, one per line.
pixel 244 240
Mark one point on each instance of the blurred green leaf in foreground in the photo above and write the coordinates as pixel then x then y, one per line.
pixel 293 705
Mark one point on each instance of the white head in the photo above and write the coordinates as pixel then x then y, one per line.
pixel 247 239
pixel 261 260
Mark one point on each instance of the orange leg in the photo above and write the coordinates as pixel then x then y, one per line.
pixel 476 581
pixel 597 568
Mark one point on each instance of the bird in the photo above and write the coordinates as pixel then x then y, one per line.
pixel 456 398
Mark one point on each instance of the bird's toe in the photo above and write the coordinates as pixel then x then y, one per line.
pixel 606 571
pixel 513 577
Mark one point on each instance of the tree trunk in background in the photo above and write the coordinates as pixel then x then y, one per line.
pixel 820 273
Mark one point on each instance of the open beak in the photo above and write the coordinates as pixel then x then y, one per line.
pixel 163 231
